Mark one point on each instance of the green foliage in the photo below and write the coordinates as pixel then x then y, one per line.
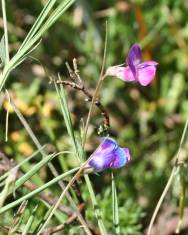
pixel 147 120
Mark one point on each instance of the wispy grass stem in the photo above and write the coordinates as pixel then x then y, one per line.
pixel 170 180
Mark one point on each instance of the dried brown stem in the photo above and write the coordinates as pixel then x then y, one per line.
pixel 47 198
pixel 51 167
pixel 61 227
pixel 52 230
pixel 6 164
pixel 81 88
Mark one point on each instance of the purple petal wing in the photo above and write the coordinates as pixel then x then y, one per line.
pixel 106 146
pixel 101 162
pixel 134 58
pixel 146 72
pixel 102 157
pixel 127 153
pixel 109 155
pixel 121 157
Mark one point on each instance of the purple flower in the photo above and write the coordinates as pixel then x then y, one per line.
pixel 109 155
pixel 143 73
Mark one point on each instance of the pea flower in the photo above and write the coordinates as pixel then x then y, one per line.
pixel 109 155
pixel 143 73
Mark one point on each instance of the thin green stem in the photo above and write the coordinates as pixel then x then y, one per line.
pixel 36 191
pixel 101 78
pixel 5 31
pixel 38 145
pixel 96 208
pixel 173 173
pixel 6 124
pixel 115 210
pixel 29 222
pixel 99 84
pixel 60 198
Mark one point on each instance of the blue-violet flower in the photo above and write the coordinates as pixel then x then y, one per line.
pixel 109 155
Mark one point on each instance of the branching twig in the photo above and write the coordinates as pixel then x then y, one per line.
pixel 81 88
pixel 18 217
pixel 6 165
pixel 52 230
pixel 78 84
pixel 53 170
pixel 79 172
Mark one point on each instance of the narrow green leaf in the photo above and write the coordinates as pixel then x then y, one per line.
pixel 3 5
pixel 22 162
pixel 30 221
pixel 79 152
pixel 57 214
pixel 96 208
pixel 37 191
pixel 115 207
pixel 40 19
pixel 33 171
pixel 66 115
pixel 2 50
pixel 35 35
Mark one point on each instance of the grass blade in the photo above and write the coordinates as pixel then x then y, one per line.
pixel 115 207
pixel 33 171
pixel 40 19
pixel 30 221
pixel 96 208
pixel 66 115
pixel 5 31
pixel 2 50
pixel 170 180
pixel 79 149
pixel 22 162
pixel 37 191
pixel 34 36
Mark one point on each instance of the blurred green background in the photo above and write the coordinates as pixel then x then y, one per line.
pixel 148 120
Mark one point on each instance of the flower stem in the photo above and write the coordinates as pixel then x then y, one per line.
pixel 101 78
pixel 99 84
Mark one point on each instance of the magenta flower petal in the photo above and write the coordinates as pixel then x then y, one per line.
pixel 146 72
pixel 109 155
pixel 126 74
pixel 143 73
pixel 134 58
